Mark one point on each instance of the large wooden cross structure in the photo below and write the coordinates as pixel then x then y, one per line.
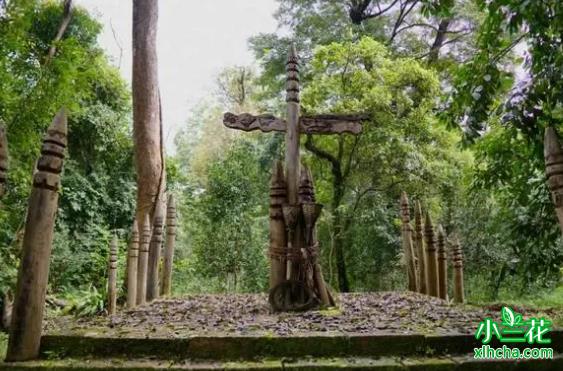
pixel 296 280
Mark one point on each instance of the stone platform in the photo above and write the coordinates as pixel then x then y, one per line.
pixel 380 331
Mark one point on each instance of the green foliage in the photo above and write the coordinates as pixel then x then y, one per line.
pixel 536 101
pixel 98 182
pixel 228 221
pixel 519 247
pixel 402 147
pixel 84 302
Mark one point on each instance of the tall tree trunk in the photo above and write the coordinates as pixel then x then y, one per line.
pixel 338 229
pixel 147 130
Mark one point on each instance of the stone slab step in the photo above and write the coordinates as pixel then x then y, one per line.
pixel 249 347
pixel 445 363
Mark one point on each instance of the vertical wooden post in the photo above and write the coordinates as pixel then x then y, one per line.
pixel 278 236
pixel 169 247
pixel 419 248
pixel 431 258
pixel 406 235
pixel 112 277
pixel 132 266
pixel 27 316
pixel 154 254
pixel 143 261
pixel 459 296
pixel 554 170
pixel 442 264
pixel 3 160
pixel 292 162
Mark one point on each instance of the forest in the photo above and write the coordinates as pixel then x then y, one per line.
pixel 457 93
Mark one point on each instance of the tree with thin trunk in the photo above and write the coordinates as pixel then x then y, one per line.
pixel 147 125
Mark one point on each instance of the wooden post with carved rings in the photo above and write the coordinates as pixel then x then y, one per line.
pixel 143 261
pixel 168 259
pixel 419 248
pixel 554 170
pixel 278 235
pixel 132 266
pixel 442 264
pixel 33 275
pixel 406 236
pixel 431 258
pixel 112 277
pixel 153 289
pixel 457 257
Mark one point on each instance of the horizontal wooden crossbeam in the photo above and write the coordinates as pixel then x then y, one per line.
pixel 313 124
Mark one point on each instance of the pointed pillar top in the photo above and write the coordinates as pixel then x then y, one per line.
pixel 441 233
pixel 171 201
pixel 292 54
pixel 292 79
pixel 404 198
pixel 57 132
pixel 428 220
pixel 417 210
pixel 306 175
pixel 135 229
pixel 278 179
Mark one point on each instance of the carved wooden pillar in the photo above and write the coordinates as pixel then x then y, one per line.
pixel 112 277
pixel 406 236
pixel 154 254
pixel 459 296
pixel 311 212
pixel 554 170
pixel 419 248
pixel 169 248
pixel 143 261
pixel 3 160
pixel 442 265
pixel 132 266
pixel 33 275
pixel 278 235
pixel 431 258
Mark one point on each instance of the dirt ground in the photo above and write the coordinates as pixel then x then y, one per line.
pixel 249 314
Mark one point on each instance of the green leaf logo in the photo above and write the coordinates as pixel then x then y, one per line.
pixel 507 316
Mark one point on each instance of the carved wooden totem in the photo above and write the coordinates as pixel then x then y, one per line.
pixel 33 275
pixel 294 292
pixel 278 236
pixel 154 255
pixel 112 277
pixel 431 258
pixel 406 234
pixel 554 170
pixel 169 247
pixel 419 248
pixel 143 261
pixel 3 160
pixel 132 266
pixel 442 264
pixel 459 296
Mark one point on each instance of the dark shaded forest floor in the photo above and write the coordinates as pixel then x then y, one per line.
pixel 248 314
